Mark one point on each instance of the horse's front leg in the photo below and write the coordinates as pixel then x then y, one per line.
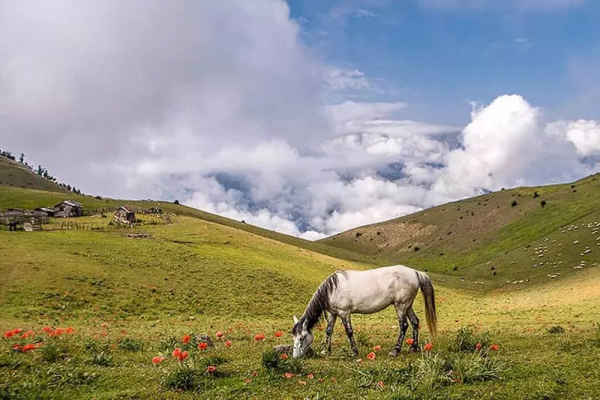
pixel 348 326
pixel 329 333
pixel 403 327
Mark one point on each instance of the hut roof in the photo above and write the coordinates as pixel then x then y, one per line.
pixel 70 203
pixel 126 209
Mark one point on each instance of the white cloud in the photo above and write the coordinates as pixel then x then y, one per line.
pixel 219 105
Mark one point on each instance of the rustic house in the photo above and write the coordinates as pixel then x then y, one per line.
pixel 68 208
pixel 13 217
pixel 124 215
pixel 45 210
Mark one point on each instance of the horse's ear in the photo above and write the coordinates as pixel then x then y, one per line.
pixel 295 319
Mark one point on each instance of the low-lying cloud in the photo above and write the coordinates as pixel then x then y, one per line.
pixel 221 106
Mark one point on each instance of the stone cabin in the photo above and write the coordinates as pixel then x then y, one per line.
pixel 68 208
pixel 124 215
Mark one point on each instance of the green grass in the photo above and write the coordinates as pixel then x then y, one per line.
pixel 17 175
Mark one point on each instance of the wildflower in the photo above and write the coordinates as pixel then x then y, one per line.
pixel 103 333
pixel 494 347
pixel 288 375
pixel 377 348
pixel 183 355
pixel 157 360
pixel 58 331
pixel 259 336
pixel 228 343
pixel 320 380
pixel 255 373
pixel 302 382
pixel 478 346
pixel 186 339
pixel 16 331
pixel 27 334
pixel 123 332
pixel 428 346
pixel 247 381
pixel 176 352
pixel 310 376
pixel 219 334
pixel 70 330
pixel 278 334
pixel 371 356
pixel 16 347
pixel 202 346
pixel 410 341
pixel 47 329
pixel 380 384
pixel 283 356
pixel 28 347
pixel 211 369
pixel 104 325
pixel 8 334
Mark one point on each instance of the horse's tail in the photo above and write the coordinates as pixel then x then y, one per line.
pixel 429 297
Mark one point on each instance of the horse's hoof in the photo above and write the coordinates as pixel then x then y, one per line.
pixel 393 353
pixel 414 349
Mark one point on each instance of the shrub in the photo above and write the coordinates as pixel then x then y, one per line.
pixel 514 203
pixel 543 203
pixel 102 359
pixel 467 339
pixel 273 362
pixel 184 377
pixel 536 194
pixel 556 329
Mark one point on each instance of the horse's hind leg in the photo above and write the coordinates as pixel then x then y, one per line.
pixel 401 311
pixel 329 332
pixel 348 326
pixel 414 321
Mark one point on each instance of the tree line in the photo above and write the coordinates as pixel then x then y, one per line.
pixel 41 171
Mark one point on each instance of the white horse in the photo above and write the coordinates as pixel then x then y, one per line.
pixel 366 292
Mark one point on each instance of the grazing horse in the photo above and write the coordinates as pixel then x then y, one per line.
pixel 366 292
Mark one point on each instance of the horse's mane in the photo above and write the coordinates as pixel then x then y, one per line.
pixel 319 303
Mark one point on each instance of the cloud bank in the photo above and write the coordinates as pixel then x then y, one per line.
pixel 221 105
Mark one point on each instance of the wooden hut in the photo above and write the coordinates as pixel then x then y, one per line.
pixel 68 208
pixel 124 215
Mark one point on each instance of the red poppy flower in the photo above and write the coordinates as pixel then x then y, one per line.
pixel 255 373
pixel 377 348
pixel 176 352
pixel 202 346
pixel 278 334
pixel 228 343
pixel 8 334
pixel 28 347
pixel 284 356
pixel 380 384
pixel 310 376
pixel 302 382
pixel 428 346
pixel 104 325
pixel 16 331
pixel 157 360
pixel 494 347
pixel 16 347
pixel 103 333
pixel 186 339
pixel 371 356
pixel 320 380
pixel 259 336
pixel 219 334
pixel 47 329
pixel 69 330
pixel 478 346
pixel 58 331
pixel 410 341
pixel 211 369
pixel 289 375
pixel 27 334
pixel 183 355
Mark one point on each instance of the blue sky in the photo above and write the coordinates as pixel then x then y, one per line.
pixel 436 57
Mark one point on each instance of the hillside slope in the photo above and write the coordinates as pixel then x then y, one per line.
pixel 519 234
pixel 17 175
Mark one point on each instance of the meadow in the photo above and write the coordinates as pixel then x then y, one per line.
pixel 129 299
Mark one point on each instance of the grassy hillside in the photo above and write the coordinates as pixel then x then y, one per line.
pixel 494 238
pixel 130 299
pixel 17 175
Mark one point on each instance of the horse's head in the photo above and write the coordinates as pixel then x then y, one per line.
pixel 303 337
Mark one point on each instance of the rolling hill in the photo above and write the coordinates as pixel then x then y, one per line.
pixel 527 233
pixel 131 294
